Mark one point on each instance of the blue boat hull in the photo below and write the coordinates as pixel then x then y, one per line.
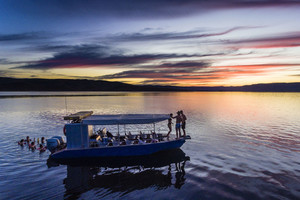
pixel 118 151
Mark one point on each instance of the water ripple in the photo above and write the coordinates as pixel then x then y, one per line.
pixel 244 146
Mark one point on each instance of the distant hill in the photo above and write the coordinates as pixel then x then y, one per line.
pixel 268 87
pixel 13 84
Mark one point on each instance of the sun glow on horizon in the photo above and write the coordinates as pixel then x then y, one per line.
pixel 197 44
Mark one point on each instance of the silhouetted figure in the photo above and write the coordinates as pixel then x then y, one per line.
pixel 21 142
pixel 177 125
pixel 183 118
pixel 170 124
pixel 27 140
pixel 42 140
pixel 42 148
pixel 32 146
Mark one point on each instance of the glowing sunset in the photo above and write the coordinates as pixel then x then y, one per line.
pixel 179 43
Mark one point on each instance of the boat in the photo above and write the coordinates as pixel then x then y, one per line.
pixel 83 142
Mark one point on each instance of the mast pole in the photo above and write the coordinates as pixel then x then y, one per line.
pixel 66 105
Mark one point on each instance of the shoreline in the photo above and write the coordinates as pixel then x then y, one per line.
pixel 113 93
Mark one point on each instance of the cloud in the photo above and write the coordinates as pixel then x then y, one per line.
pixel 94 56
pixel 49 47
pixel 134 74
pixel 174 36
pixel 183 64
pixel 3 61
pixel 255 69
pixel 28 36
pixel 164 70
pixel 168 75
pixel 153 74
pixel 178 74
pixel 295 75
pixel 10 73
pixel 3 73
pixel 14 37
pixel 195 71
pixel 279 41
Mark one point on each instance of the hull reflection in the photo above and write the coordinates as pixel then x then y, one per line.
pixel 159 171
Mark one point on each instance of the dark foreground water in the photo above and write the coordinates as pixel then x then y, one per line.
pixel 244 146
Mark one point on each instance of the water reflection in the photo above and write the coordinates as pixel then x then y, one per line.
pixel 123 175
pixel 244 146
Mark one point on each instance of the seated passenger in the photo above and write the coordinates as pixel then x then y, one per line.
pixel 104 132
pixel 99 132
pixel 141 141
pixel 109 144
pixel 118 136
pixel 95 137
pixel 42 140
pixel 148 138
pixel 135 142
pixel 109 134
pixel 153 135
pixel 154 141
pixel 94 144
pixel 122 139
pixel 130 136
pixel 142 136
pixel 159 137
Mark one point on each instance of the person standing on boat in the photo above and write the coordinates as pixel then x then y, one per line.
pixel 183 118
pixel 170 125
pixel 177 125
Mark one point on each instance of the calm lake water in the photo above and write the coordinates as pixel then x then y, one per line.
pixel 244 146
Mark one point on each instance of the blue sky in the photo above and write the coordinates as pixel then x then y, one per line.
pixel 185 43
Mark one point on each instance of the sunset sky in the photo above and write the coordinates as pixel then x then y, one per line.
pixel 165 42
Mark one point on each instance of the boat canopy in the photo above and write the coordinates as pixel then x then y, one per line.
pixel 79 115
pixel 124 119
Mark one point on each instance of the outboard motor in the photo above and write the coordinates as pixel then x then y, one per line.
pixel 60 138
pixel 52 144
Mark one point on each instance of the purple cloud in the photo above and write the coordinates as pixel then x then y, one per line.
pixel 282 40
pixel 174 36
pixel 93 56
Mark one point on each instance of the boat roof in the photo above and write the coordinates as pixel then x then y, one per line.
pixel 124 119
pixel 79 115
